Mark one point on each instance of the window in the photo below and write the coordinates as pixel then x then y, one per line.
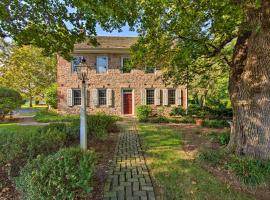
pixel 102 64
pixel 102 97
pixel 150 96
pixel 125 65
pixel 76 97
pixel 75 62
pixel 149 70
pixel 171 96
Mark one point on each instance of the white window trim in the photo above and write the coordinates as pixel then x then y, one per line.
pixel 73 96
pixel 107 64
pixel 105 97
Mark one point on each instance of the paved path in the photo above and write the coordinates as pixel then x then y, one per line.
pixel 129 177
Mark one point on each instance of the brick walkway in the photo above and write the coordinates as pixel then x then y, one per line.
pixel 129 177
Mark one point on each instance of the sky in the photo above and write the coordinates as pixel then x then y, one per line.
pixel 125 32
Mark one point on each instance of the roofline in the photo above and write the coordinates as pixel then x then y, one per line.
pixel 101 50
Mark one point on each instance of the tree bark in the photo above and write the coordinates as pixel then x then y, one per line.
pixel 30 102
pixel 249 86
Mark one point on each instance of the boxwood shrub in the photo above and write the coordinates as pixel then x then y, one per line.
pixel 143 112
pixel 66 174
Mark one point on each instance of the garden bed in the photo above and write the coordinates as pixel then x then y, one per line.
pixel 25 144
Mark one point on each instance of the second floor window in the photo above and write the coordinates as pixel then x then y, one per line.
pixel 75 62
pixel 102 64
pixel 150 96
pixel 125 65
pixel 171 96
pixel 76 97
pixel 102 97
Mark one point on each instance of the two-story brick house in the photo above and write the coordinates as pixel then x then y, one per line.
pixel 112 87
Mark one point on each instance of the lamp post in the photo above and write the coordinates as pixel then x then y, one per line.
pixel 82 71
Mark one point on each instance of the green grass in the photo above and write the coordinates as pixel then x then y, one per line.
pixel 180 176
pixel 14 128
pixel 45 116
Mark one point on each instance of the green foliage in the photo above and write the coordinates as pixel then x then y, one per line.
pixel 50 116
pixel 64 175
pixel 51 95
pixel 143 112
pixel 184 120
pixel 178 111
pixel 9 100
pixel 212 156
pixel 213 123
pixel 250 170
pixel 26 145
pixel 28 71
pixel 222 138
pixel 101 125
pixel 159 119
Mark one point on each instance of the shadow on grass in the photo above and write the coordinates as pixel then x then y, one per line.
pixel 179 176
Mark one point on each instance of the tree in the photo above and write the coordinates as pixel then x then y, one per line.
pixel 57 25
pixel 51 95
pixel 28 71
pixel 175 34
pixel 9 100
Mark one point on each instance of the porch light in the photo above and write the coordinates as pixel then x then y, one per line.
pixel 82 72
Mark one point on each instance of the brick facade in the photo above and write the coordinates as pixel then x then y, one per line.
pixel 114 79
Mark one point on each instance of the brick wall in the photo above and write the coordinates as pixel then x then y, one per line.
pixel 113 79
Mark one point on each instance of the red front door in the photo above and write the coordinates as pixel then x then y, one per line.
pixel 128 103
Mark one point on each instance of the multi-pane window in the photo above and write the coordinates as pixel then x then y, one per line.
pixel 102 64
pixel 126 67
pixel 102 97
pixel 76 97
pixel 171 96
pixel 150 96
pixel 75 62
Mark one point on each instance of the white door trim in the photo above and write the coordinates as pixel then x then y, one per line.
pixel 122 101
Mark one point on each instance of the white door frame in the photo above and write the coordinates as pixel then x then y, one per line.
pixel 122 100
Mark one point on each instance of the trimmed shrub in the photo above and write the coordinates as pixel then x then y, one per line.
pixel 29 145
pixel 143 112
pixel 64 175
pixel 214 123
pixel 184 120
pixel 9 100
pixel 159 119
pixel 177 111
pixel 100 125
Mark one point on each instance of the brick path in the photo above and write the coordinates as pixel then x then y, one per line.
pixel 129 178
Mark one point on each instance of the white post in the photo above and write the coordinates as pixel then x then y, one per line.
pixel 83 119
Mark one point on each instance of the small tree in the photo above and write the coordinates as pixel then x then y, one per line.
pixel 9 100
pixel 51 95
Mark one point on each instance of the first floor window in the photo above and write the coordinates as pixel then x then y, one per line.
pixel 150 96
pixel 102 97
pixel 76 97
pixel 171 96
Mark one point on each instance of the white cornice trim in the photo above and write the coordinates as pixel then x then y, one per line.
pixel 101 50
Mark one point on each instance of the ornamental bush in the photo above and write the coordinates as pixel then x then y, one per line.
pixel 66 174
pixel 143 112
pixel 100 125
pixel 9 100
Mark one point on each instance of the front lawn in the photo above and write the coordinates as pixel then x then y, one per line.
pixel 49 116
pixel 178 173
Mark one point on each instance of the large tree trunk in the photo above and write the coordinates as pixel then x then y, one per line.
pixel 250 87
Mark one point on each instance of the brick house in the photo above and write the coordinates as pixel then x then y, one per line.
pixel 113 87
